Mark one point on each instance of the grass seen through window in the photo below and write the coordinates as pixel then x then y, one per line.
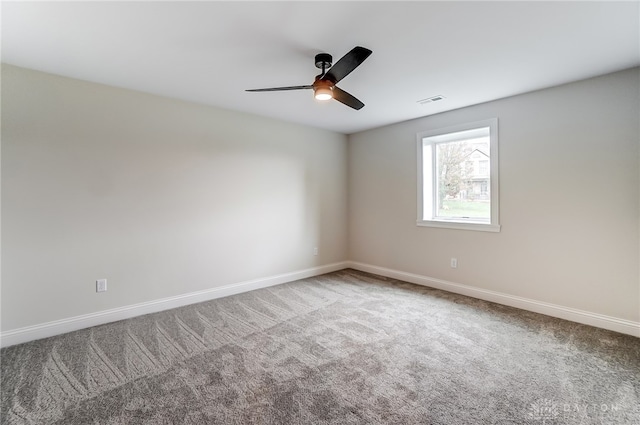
pixel 457 208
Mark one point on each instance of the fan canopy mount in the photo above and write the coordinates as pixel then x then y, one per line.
pixel 323 61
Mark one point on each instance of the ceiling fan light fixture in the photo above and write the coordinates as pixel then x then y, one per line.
pixel 323 93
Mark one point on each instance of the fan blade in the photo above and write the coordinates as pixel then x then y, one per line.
pixel 344 97
pixel 283 88
pixel 346 64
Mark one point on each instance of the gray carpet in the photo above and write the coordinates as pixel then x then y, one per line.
pixel 342 348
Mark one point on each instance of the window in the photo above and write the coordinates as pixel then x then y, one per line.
pixel 458 177
pixel 483 168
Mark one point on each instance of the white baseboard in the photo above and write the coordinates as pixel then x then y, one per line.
pixel 580 316
pixel 58 327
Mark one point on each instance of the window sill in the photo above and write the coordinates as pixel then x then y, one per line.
pixel 480 227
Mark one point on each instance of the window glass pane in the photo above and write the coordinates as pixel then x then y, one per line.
pixel 463 179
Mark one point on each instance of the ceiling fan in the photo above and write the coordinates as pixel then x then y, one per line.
pixel 324 86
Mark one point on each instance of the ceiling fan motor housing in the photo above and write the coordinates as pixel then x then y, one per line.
pixel 326 84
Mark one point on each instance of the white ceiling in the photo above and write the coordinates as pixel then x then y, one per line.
pixel 210 52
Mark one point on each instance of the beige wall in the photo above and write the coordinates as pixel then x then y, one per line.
pixel 161 197
pixel 569 199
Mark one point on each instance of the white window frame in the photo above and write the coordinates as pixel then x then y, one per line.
pixel 427 192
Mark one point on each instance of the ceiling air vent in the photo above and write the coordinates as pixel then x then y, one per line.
pixel 430 99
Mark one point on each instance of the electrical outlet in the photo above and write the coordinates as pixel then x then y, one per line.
pixel 454 263
pixel 315 251
pixel 101 285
